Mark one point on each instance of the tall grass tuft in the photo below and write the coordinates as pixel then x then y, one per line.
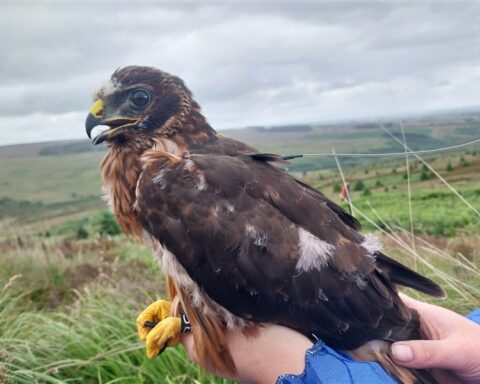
pixel 89 336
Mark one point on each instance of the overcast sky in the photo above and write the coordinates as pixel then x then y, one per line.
pixel 247 63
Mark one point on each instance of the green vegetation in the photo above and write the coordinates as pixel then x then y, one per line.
pixel 436 212
pixel 94 223
pixel 359 186
pixel 72 285
pixel 68 313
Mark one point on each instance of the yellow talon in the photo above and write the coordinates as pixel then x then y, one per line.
pixel 155 312
pixel 167 333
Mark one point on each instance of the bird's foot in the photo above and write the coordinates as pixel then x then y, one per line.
pixel 167 333
pixel 158 328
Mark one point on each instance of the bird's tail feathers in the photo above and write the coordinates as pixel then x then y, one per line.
pixel 379 351
pixel 402 275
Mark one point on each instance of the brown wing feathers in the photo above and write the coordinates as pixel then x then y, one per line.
pixel 233 222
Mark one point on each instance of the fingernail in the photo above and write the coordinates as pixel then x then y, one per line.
pixel 402 352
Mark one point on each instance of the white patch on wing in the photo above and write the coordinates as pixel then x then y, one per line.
pixel 189 165
pixel 201 300
pixel 258 238
pixel 360 282
pixel 321 295
pixel 160 179
pixel 314 253
pixel 372 244
pixel 202 184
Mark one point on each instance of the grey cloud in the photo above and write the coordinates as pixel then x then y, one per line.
pixel 247 63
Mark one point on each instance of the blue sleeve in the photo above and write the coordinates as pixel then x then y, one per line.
pixel 325 365
pixel 474 316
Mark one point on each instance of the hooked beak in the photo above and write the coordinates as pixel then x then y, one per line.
pixel 108 127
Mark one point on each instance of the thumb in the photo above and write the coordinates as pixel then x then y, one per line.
pixel 420 354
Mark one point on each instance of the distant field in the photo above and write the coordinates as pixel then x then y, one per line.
pixel 72 285
pixel 51 179
pixel 42 181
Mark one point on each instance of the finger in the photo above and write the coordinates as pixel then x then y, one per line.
pixel 154 313
pixel 420 306
pixel 421 353
pixel 435 322
pixel 409 301
pixel 166 333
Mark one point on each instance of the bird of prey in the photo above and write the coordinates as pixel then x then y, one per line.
pixel 242 242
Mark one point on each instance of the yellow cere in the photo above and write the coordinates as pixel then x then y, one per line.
pixel 97 108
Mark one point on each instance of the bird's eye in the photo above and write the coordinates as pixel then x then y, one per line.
pixel 140 98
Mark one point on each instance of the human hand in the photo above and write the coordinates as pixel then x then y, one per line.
pixel 452 348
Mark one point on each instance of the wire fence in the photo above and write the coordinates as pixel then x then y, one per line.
pixel 387 154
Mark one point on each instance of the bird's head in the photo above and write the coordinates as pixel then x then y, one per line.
pixel 137 103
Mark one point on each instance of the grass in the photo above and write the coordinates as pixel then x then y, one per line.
pixel 70 318
pixel 71 288
pixel 437 212
pixel 68 307
pixel 51 179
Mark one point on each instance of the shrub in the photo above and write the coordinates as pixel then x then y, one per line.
pixel 81 233
pixel 424 176
pixel 366 192
pixel 108 225
pixel 359 186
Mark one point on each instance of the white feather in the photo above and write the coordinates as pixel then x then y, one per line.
pixel 160 179
pixel 108 88
pixel 258 238
pixel 202 183
pixel 313 252
pixel 372 244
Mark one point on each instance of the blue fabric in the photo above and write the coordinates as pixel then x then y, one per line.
pixel 324 365
pixel 474 316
